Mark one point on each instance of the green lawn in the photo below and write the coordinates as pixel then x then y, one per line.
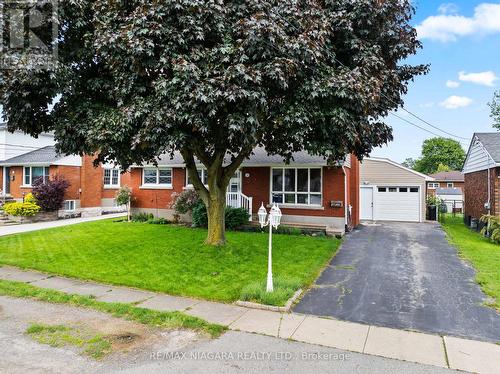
pixel 166 258
pixel 481 252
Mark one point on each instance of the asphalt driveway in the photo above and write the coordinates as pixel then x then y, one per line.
pixel 403 275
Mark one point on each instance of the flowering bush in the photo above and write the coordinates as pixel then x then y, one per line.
pixel 185 201
pixel 29 198
pixel 25 209
pixel 50 194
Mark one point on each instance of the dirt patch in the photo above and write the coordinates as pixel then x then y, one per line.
pixel 131 342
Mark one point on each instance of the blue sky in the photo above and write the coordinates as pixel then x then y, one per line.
pixel 461 41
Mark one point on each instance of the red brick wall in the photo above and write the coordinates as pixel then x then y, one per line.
pixel 16 190
pixel 257 185
pixel 476 193
pixel 72 175
pixel 154 198
pixel 91 178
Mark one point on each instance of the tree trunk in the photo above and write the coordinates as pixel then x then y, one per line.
pixel 216 217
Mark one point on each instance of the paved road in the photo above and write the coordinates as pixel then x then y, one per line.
pixel 160 351
pixel 403 275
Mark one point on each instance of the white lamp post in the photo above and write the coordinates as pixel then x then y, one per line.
pixel 273 221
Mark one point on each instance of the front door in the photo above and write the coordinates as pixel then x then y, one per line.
pixel 367 203
pixel 6 178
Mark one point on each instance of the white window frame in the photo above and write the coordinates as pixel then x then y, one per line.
pixel 295 192
pixel 433 185
pixel 157 184
pixel 46 174
pixel 204 172
pixel 73 202
pixel 450 183
pixel 111 185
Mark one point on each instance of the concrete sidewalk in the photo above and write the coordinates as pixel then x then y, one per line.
pixel 17 229
pixel 441 351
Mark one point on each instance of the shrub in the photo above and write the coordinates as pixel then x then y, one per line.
pixel 29 198
pixel 284 289
pixel 234 217
pixel 491 228
pixel 50 194
pixel 185 201
pixel 142 217
pixel 25 209
pixel 158 221
pixel 200 217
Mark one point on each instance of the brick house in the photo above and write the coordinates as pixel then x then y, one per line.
pixel 482 173
pixel 91 191
pixel 308 191
pixel 446 179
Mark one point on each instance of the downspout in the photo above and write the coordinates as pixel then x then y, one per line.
pixel 346 204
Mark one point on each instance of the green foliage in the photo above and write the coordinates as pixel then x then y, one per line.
pixel 433 200
pixel 234 217
pixel 199 215
pixel 284 289
pixel 214 79
pixel 495 110
pixel 143 217
pixel 19 209
pixel 491 228
pixel 185 201
pixel 158 221
pixel 124 195
pixel 167 320
pixel 409 163
pixel 443 168
pixel 440 152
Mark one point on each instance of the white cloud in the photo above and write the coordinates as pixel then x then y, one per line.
pixel 485 78
pixel 455 102
pixel 449 27
pixel 452 84
pixel 448 8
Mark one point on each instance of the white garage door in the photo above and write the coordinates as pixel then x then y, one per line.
pixel 388 203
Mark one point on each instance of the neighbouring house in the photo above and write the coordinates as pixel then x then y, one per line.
pixel 392 192
pixel 482 173
pixel 308 191
pixel 446 179
pixel 92 189
pixel 449 187
pixel 16 143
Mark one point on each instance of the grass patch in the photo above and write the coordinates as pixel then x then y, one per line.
pixel 483 254
pixel 166 258
pixel 167 320
pixel 93 345
pixel 284 289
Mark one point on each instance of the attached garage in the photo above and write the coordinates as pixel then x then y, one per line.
pixel 391 192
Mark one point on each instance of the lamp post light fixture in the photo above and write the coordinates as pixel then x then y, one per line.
pixel 273 220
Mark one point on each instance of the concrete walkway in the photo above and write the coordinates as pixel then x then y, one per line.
pixel 441 351
pixel 17 229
